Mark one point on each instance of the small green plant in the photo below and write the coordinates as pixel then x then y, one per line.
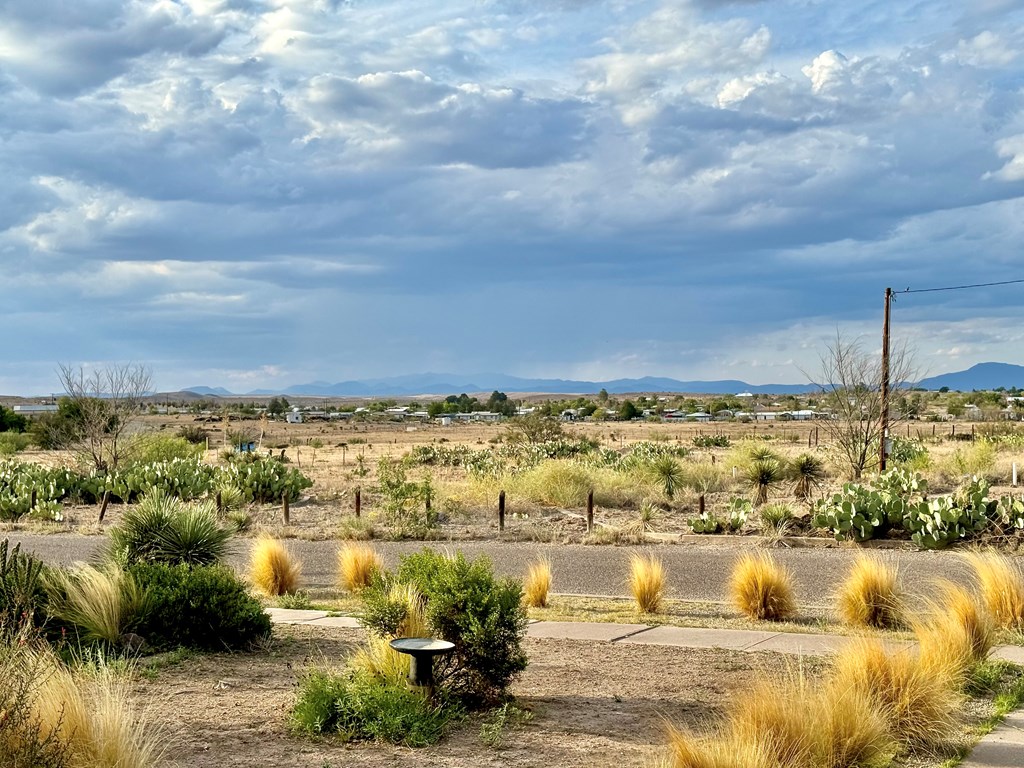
pixel 776 519
pixel 403 502
pixel 806 471
pixel 739 513
pixel 299 601
pixel 644 520
pixel 22 591
pixel 501 720
pixel 240 521
pixel 358 705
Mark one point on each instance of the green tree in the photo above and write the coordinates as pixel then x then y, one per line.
pixel 628 411
pixel 11 421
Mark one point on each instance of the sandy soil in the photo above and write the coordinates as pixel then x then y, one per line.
pixel 594 704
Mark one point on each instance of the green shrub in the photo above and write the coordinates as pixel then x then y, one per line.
pixel 155 448
pixel 193 434
pixel 13 442
pixel 403 502
pixel 711 441
pixel 467 606
pixel 163 529
pixel 201 607
pixel 356 705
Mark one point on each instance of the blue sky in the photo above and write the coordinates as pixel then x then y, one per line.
pixel 257 194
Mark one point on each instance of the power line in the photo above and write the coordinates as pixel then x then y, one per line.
pixel 960 287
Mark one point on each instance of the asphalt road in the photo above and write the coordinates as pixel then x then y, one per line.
pixel 694 572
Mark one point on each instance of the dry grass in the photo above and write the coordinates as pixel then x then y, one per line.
pixel 647 582
pixel 689 751
pixel 93 714
pixel 537 584
pixel 957 634
pixel 870 596
pixel 762 589
pixel 1001 586
pixel 357 566
pixel 916 699
pixel 100 602
pixel 272 568
pixel 377 656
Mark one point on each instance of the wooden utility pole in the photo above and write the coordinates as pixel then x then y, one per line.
pixel 884 432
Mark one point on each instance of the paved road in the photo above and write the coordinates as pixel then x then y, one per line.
pixel 695 572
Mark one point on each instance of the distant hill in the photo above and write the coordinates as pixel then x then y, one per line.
pixel 449 383
pixel 980 376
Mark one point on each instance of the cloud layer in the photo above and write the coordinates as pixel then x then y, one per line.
pixel 248 194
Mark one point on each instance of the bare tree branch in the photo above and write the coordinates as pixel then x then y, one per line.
pixel 104 403
pixel 851 389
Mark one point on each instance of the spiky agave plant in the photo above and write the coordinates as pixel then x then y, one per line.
pixel 807 471
pixel 762 474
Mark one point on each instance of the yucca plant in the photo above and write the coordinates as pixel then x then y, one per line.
pixel 163 529
pixel 669 474
pixel 776 519
pixel 762 475
pixel 806 471
pixel 643 521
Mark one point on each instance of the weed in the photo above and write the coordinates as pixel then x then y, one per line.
pixel 502 719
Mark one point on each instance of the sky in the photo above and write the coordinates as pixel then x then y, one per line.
pixel 258 194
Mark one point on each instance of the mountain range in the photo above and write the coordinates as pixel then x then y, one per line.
pixel 981 376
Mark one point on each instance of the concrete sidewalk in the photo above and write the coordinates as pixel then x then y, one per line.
pixel 1003 748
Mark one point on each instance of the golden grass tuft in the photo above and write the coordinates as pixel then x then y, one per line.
pixel 804 726
pixel 537 584
pixel 272 568
pixel 870 596
pixel 357 566
pixel 957 635
pixel 647 582
pixel 689 751
pixel 100 602
pixel 93 714
pixel 916 698
pixel 762 589
pixel 377 657
pixel 1001 585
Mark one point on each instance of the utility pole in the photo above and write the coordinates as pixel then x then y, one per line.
pixel 884 432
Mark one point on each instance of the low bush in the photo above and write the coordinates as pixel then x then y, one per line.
pixel 762 589
pixel 711 441
pixel 356 705
pixel 272 568
pixel 154 448
pixel 870 595
pixel 466 605
pixel 203 607
pixel 13 442
pixel 647 582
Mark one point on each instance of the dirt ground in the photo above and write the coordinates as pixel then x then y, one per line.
pixel 593 704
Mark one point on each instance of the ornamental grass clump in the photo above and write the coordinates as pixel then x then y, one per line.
pixel 1001 586
pixel 647 582
pixel 956 635
pixel 917 700
pixel 358 564
pixel 762 589
pixel 272 568
pixel 870 595
pixel 537 584
pixel 100 603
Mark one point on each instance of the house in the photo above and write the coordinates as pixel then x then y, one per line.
pixel 35 408
pixel 698 416
pixel 570 414
pixel 293 416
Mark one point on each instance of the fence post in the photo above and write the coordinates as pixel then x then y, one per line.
pixel 103 504
pixel 284 508
pixel 501 511
pixel 220 504
pixel 426 502
pixel 34 497
pixel 700 504
pixel 590 511
pixel 359 502
pixel 1015 474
